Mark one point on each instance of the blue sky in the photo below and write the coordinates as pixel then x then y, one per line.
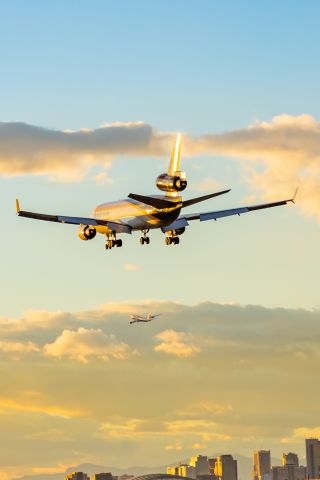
pixel 216 67
pixel 203 67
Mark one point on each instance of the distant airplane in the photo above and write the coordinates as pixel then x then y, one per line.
pixel 139 318
pixel 144 213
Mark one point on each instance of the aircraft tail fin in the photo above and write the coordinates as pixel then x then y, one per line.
pixel 175 157
pixel 18 209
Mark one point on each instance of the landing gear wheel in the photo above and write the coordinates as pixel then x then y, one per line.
pixel 144 240
pixel 168 240
pixel 119 243
pixel 176 240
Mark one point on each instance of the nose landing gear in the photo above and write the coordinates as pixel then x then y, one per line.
pixel 145 239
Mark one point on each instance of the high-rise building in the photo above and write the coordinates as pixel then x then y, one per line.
pixel 313 457
pixel 77 476
pixel 200 463
pixel 261 465
pixel 226 468
pixel 289 472
pixel 211 465
pixel 290 459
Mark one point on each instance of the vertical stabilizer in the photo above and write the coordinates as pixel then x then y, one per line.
pixel 175 157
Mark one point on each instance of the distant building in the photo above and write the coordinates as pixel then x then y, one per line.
pixel 103 476
pixel 161 476
pixel 289 472
pixel 290 459
pixel 261 465
pixel 200 464
pixel 173 470
pixel 125 476
pixel 313 457
pixel 77 476
pixel 226 468
pixel 185 470
pixel 211 465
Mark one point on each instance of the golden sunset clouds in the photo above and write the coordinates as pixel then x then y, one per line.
pixel 276 156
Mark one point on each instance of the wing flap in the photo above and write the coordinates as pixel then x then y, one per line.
pixel 232 211
pixel 181 222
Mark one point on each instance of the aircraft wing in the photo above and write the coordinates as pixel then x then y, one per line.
pixel 183 220
pixel 115 226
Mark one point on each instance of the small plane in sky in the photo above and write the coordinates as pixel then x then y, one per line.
pixel 145 213
pixel 139 318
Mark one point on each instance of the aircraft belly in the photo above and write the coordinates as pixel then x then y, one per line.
pixel 137 215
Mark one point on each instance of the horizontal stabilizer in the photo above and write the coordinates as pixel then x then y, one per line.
pixel 192 201
pixel 158 203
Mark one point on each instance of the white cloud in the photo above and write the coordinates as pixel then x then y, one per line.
pixel 18 347
pixel 131 267
pixel 102 178
pixel 209 184
pixel 207 407
pixel 176 446
pixel 179 344
pixel 27 149
pixel 276 156
pixel 300 433
pixel 84 343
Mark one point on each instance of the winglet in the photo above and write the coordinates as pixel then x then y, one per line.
pixel 18 209
pixel 175 156
pixel 295 195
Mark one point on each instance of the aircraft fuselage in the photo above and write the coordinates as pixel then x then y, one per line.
pixel 139 216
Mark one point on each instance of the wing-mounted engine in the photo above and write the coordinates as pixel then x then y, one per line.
pixel 86 232
pixel 172 183
pixel 176 232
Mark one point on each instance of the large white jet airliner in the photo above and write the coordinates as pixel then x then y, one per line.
pixel 145 213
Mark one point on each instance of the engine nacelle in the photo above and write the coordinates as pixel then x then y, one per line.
pixel 87 232
pixel 171 183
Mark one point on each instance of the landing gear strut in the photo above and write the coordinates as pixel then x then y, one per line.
pixel 113 242
pixel 145 238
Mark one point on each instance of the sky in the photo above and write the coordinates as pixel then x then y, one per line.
pixel 92 96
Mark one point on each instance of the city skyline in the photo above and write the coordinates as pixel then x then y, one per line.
pixel 92 94
pixel 224 467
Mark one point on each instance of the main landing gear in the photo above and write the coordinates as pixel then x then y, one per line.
pixel 145 239
pixel 172 240
pixel 113 242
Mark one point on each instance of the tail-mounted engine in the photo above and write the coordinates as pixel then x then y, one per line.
pixel 172 183
pixel 86 232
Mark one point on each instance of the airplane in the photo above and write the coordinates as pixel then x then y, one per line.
pixel 139 318
pixel 144 213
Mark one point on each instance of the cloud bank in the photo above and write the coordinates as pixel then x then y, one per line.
pixel 227 378
pixel 276 156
